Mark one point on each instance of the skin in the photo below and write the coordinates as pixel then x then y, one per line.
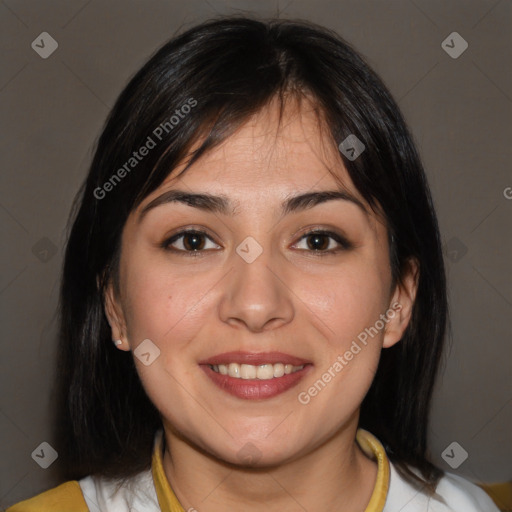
pixel 289 299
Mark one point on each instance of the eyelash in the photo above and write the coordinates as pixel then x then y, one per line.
pixel 344 244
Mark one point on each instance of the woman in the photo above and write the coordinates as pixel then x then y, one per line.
pixel 257 237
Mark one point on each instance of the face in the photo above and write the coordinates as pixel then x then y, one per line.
pixel 264 314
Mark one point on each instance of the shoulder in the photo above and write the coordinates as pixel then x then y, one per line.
pixel 63 498
pixel 454 494
pixel 122 495
pixel 95 494
pixel 461 494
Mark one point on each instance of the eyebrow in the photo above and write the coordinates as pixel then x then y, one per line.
pixel 222 204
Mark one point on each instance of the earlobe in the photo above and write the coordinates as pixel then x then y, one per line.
pixel 115 318
pixel 401 305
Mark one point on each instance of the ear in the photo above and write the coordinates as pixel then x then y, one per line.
pixel 115 317
pixel 401 305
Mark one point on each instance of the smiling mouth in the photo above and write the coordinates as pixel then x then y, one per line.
pixel 255 375
pixel 250 372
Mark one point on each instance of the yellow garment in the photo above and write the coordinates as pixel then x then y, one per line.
pixel 501 493
pixel 68 496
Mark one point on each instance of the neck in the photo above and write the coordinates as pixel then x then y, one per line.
pixel 336 475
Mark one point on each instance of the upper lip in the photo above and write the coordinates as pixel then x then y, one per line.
pixel 254 358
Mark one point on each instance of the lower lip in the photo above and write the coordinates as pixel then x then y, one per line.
pixel 255 389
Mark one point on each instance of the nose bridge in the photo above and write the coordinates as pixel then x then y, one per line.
pixel 255 294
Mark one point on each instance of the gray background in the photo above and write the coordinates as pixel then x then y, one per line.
pixel 459 110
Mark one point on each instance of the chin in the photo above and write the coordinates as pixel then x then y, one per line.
pixel 255 454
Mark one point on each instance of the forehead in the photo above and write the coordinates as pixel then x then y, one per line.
pixel 277 149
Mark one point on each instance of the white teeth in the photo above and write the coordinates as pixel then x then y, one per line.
pixel 247 371
pixel 278 370
pixel 265 371
pixel 261 372
pixel 234 370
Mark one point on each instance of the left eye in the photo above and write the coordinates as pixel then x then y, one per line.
pixel 322 241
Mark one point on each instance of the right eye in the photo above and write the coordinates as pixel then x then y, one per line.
pixel 191 241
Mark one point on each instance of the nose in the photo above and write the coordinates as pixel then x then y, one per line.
pixel 256 296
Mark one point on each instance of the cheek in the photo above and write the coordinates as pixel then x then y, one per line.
pixel 164 306
pixel 168 309
pixel 348 357
pixel 347 302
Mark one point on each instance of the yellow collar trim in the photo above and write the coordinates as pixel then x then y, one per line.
pixel 368 443
pixel 374 449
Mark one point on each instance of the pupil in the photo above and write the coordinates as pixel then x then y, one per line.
pixel 193 242
pixel 315 242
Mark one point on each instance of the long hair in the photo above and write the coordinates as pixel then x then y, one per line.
pixel 226 70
